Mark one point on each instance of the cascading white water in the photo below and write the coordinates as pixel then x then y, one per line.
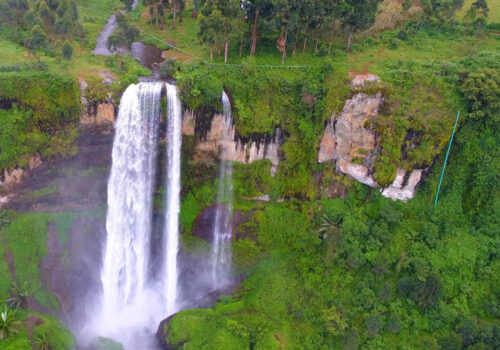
pixel 222 230
pixel 171 237
pixel 125 269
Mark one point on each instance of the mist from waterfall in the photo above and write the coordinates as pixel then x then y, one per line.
pixel 223 224
pixel 173 189
pixel 128 302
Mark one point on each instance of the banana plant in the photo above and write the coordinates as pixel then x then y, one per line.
pixel 9 322
pixel 42 342
pixel 19 295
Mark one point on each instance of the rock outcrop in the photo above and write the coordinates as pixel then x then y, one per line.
pixel 102 113
pixel 9 178
pixel 219 135
pixel 403 188
pixel 353 147
pixel 347 141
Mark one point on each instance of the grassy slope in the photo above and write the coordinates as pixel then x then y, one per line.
pixel 93 16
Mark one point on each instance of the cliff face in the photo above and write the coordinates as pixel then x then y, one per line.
pixel 102 113
pixel 354 148
pixel 220 137
pixel 10 178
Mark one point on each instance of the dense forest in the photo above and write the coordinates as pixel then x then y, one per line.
pixel 324 261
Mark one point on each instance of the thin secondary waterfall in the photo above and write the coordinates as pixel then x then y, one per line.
pixel 128 223
pixel 171 237
pixel 222 230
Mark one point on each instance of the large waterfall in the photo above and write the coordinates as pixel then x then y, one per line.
pixel 222 230
pixel 171 238
pixel 130 187
pixel 128 223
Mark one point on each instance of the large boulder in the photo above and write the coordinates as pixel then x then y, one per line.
pixel 162 333
pixel 353 147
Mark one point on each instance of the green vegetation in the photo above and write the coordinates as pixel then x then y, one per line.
pixel 107 344
pixel 43 192
pixel 363 272
pixel 38 114
pixel 46 332
pixel 360 272
pixel 370 272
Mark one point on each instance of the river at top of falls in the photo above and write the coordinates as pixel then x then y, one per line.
pixel 101 47
pixel 222 230
pixel 129 301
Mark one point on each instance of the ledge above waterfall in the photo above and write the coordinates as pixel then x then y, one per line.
pixel 216 134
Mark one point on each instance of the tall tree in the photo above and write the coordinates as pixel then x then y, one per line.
pixel 255 11
pixel 477 15
pixel 357 15
pixel 218 22
pixel 209 21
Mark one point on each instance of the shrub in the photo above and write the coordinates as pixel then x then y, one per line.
pixel 482 92
pixel 168 68
pixel 67 50
pixel 374 325
pixel 468 330
pixel 393 323
pixel 450 341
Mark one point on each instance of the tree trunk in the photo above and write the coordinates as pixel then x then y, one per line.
pixel 174 17
pixel 316 47
pixel 305 44
pixel 211 52
pixel 330 48
pixel 194 13
pixel 181 16
pixel 218 47
pixel 241 46
pixel 156 15
pixel 349 40
pixel 226 49
pixel 283 56
pixel 254 33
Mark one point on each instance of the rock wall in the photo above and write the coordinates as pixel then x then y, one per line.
pixel 219 137
pixel 353 147
pixel 101 114
pixel 347 141
pixel 9 178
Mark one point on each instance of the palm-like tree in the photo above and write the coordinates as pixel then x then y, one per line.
pixel 329 226
pixel 8 322
pixel 19 295
pixel 42 342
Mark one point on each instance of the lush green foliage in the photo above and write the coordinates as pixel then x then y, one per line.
pixel 38 114
pixel 388 275
pixel 366 272
pixel 9 323
pixel 53 334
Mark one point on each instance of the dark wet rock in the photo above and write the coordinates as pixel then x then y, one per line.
pixel 75 183
pixel 204 225
pixel 162 333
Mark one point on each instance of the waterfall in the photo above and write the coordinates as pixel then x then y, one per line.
pixel 222 230
pixel 171 237
pixel 125 268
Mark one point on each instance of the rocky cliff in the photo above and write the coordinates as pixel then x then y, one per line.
pixel 353 147
pixel 219 137
pixel 99 112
